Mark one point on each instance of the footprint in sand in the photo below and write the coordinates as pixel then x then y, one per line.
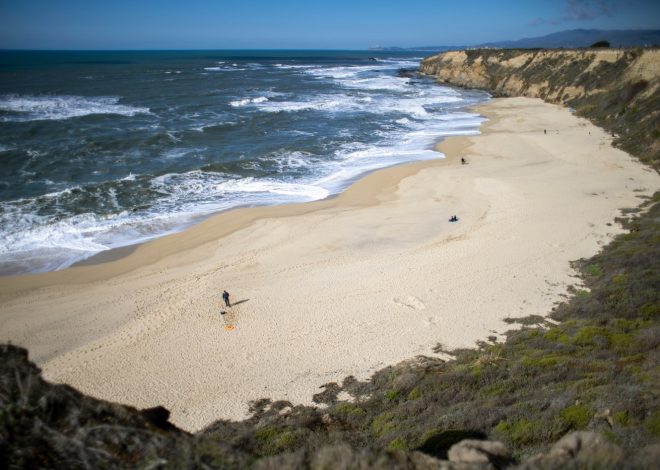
pixel 430 321
pixel 410 302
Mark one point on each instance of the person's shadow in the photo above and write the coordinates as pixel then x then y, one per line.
pixel 238 302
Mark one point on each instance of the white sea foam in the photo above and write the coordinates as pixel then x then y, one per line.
pixel 252 185
pixel 377 83
pixel 401 63
pixel 413 142
pixel 337 103
pixel 222 67
pixel 30 242
pixel 286 161
pixel 246 101
pixel 349 71
pixel 291 66
pixel 175 153
pixel 56 107
pixel 172 136
pixel 300 133
pixel 46 243
pixel 203 127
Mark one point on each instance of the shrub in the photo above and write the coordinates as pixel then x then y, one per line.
pixel 393 394
pixel 594 270
pixel 349 409
pixel 520 432
pixel 652 423
pixel 576 416
pixel 591 336
pixel 621 417
pixel 272 440
pixel 556 335
pixel 397 444
pixel 414 394
pixel 382 424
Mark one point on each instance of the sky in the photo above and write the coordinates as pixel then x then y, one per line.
pixel 298 24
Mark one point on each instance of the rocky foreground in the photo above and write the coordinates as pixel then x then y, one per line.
pixel 53 426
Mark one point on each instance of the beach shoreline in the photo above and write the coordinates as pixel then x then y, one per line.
pixel 337 287
pixel 114 254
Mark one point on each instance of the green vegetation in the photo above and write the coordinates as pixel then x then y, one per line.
pixel 576 416
pixel 522 431
pixel 397 444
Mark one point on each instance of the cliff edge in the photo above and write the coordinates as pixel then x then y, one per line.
pixel 618 89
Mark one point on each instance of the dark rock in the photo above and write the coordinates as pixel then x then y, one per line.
pixel 407 73
pixel 328 395
pixel 438 445
pixel 158 416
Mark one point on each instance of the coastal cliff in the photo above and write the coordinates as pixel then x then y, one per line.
pixel 618 89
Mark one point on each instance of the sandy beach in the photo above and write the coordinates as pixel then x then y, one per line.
pixel 337 287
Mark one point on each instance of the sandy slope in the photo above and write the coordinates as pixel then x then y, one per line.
pixel 338 287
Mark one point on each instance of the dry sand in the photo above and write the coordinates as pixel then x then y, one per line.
pixel 337 287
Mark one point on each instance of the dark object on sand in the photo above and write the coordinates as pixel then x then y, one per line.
pixel 453 218
pixel 225 297
pixel 463 161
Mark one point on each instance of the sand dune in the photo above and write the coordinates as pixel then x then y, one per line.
pixel 338 287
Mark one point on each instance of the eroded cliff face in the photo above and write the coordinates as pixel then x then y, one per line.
pixel 619 89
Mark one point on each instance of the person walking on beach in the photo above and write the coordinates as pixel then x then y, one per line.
pixel 225 297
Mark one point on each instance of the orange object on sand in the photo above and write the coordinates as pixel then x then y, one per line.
pixel 230 327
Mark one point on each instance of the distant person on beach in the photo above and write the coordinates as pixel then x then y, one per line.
pixel 544 131
pixel 453 219
pixel 225 297
pixel 463 162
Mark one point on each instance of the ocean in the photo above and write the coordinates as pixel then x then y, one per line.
pixel 100 150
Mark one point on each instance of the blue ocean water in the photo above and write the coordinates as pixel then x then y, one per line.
pixel 105 149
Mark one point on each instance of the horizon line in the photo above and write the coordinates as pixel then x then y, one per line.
pixel 372 48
